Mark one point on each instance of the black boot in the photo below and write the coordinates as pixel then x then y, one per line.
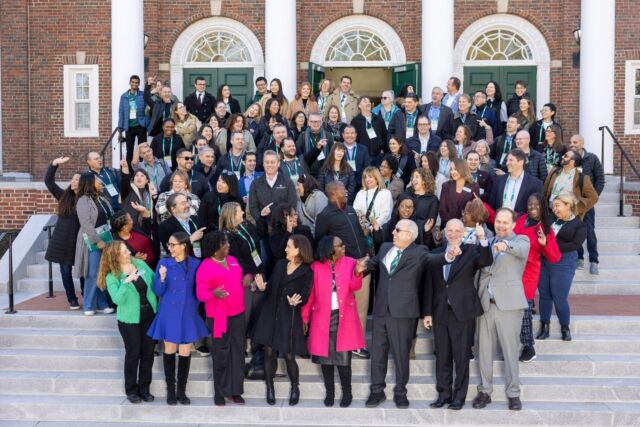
pixel 184 363
pixel 170 377
pixel 329 385
pixel 543 332
pixel 294 395
pixel 566 333
pixel 345 383
pixel 271 393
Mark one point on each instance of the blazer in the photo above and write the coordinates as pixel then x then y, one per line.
pixel 451 203
pixel 445 120
pixel 297 105
pixel 504 275
pixel 399 292
pixel 485 182
pixel 583 190
pixel 127 297
pixel 398 126
pixel 201 110
pixel 171 225
pixel 415 145
pixel 317 312
pixel 458 290
pixel 529 186
pixel 375 145
pixel 471 120
pixel 572 235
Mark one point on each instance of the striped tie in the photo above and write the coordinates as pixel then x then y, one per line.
pixel 395 261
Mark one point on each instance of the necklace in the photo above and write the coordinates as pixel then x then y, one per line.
pixel 220 261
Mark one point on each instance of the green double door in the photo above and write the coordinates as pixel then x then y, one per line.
pixel 239 80
pixel 476 78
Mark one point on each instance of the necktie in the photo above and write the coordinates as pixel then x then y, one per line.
pixel 200 98
pixel 342 100
pixel 395 261
pixel 447 269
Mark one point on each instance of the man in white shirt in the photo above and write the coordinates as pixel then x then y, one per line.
pixel 453 93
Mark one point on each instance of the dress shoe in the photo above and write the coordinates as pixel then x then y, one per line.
pixel 134 398
pixel 375 399
pixel 346 399
pixel 363 353
pixel 528 354
pixel 481 400
pixel 515 404
pixel 543 332
pixel 238 400
pixel 440 402
pixel 271 394
pixel 147 397
pixel 218 400
pixel 566 333
pixel 456 405
pixel 401 401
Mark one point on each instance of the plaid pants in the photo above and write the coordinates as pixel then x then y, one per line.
pixel 526 332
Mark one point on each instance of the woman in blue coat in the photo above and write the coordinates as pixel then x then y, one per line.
pixel 177 321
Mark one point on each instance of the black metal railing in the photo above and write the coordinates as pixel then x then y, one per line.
pixel 10 290
pixel 623 156
pixel 48 229
pixel 108 142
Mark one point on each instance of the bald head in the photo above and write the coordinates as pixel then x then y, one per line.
pixel 336 193
pixel 523 139
pixel 405 233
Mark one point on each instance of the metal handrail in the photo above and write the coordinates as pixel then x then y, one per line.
pixel 120 140
pixel 10 292
pixel 623 156
pixel 48 230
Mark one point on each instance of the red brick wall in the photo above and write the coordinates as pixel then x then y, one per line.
pixel 19 204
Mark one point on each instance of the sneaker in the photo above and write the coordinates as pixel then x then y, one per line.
pixel 90 313
pixel 74 306
pixel 593 269
pixel 363 353
pixel 203 351
pixel 108 310
pixel 528 354
pixel 580 264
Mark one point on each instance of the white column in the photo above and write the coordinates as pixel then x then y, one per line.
pixel 127 54
pixel 597 66
pixel 280 43
pixel 437 45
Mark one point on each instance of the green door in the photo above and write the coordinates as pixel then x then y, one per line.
pixel 476 78
pixel 407 73
pixel 316 75
pixel 240 81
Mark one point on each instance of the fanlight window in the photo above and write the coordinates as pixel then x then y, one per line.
pixel 499 45
pixel 357 45
pixel 219 46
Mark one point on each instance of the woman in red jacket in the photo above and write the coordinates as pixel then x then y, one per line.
pixel 331 316
pixel 535 224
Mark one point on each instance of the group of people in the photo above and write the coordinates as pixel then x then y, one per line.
pixel 284 230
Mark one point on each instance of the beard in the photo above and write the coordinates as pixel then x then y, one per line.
pixel 183 215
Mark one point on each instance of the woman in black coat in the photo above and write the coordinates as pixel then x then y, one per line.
pixel 224 95
pixel 279 327
pixel 284 224
pixel 62 245
pixel 212 202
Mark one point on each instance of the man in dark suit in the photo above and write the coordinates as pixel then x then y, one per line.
pixel 160 108
pixel 180 220
pixel 200 103
pixel 483 178
pixel 513 189
pixel 440 115
pixel 396 307
pixel 535 164
pixel 403 124
pixel 452 306
pixel 424 140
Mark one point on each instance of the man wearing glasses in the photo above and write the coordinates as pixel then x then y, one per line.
pixel 197 181
pixel 200 103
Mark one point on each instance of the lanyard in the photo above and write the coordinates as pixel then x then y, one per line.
pixel 505 198
pixel 233 168
pixel 244 233
pixel 555 192
pixel 368 122
pixel 106 172
pixel 188 229
pixel 106 209
pixel 551 157
pixel 295 164
pixel 470 237
pixel 355 153
pixel 164 153
pixel 153 173
pixel 483 110
pixel 508 141
pixel 411 119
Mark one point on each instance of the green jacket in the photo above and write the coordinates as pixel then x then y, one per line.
pixel 126 296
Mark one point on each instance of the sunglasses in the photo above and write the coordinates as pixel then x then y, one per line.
pixel 385 97
pixel 187 158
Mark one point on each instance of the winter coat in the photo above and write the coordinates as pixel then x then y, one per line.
pixel 62 245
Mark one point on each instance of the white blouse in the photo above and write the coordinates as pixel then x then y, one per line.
pixel 382 205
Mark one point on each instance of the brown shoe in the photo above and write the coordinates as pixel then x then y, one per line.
pixel 481 400
pixel 515 404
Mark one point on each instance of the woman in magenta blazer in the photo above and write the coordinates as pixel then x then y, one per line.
pixel 331 316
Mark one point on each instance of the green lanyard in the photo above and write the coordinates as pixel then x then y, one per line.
pixel 244 233
pixel 295 164
pixel 555 192
pixel 505 198
pixel 355 153
pixel 107 210
pixel 233 169
pixel 411 119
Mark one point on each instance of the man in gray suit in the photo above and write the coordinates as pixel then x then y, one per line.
pixel 502 297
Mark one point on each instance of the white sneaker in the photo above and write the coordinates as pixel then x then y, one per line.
pixel 90 313
pixel 108 310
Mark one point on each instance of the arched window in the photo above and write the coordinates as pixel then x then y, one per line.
pixel 357 45
pixel 218 46
pixel 499 45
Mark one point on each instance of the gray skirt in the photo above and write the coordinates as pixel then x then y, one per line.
pixel 335 358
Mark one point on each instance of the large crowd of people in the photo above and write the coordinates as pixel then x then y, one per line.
pixel 285 228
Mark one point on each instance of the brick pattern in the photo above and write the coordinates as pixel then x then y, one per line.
pixel 633 198
pixel 17 205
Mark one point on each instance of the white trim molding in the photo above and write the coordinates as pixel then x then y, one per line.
pixel 196 30
pixel 359 22
pixel 630 68
pixel 531 35
pixel 69 85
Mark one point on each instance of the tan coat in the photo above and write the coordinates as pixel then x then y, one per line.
pixel 587 197
pixel 296 105
pixel 350 107
pixel 284 108
pixel 188 129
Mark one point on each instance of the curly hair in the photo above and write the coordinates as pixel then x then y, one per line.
pixel 427 179
pixel 109 262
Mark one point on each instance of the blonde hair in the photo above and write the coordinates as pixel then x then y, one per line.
pixel 109 262
pixel 227 219
pixel 182 176
pixel 258 116
pixel 569 201
pixel 374 172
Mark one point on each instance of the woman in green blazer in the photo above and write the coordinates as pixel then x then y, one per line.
pixel 129 282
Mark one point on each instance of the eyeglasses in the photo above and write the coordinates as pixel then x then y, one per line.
pixel 398 230
pixel 173 245
pixel 385 97
pixel 188 159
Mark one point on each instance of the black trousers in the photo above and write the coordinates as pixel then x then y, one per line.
pixel 227 353
pixel 130 138
pixel 452 338
pixel 138 358
pixel 397 334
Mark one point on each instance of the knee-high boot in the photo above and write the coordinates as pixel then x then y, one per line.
pixel 345 382
pixel 329 385
pixel 170 377
pixel 184 364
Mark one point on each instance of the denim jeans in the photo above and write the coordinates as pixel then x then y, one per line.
pixel 67 282
pixel 554 287
pixel 94 297
pixel 592 241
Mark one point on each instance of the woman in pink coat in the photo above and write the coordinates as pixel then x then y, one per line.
pixel 331 316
